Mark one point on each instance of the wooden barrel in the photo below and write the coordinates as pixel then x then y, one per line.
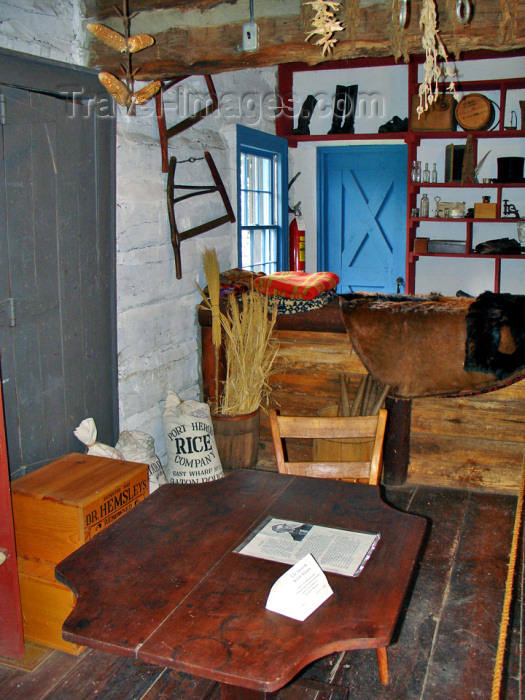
pixel 475 112
pixel 237 439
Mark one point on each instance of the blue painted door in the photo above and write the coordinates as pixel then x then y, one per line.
pixel 362 197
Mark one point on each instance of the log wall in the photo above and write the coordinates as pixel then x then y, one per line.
pixel 475 442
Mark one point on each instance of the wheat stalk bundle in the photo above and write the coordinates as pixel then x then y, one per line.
pixel 250 353
pixel 211 271
pixel 249 346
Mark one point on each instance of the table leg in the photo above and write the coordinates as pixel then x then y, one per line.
pixel 235 692
pixel 382 662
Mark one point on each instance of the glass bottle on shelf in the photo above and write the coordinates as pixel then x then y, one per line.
pixel 418 171
pixel 413 173
pixel 426 174
pixel 434 175
pixel 423 206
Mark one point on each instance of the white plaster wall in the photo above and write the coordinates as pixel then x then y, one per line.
pixel 47 28
pixel 158 333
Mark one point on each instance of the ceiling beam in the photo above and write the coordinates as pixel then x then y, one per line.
pixel 192 47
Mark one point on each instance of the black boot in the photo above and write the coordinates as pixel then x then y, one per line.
pixel 339 109
pixel 350 107
pixel 303 122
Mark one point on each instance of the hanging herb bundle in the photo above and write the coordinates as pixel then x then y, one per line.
pixel 434 50
pixel 325 23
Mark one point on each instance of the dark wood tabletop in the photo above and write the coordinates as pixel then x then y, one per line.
pixel 164 585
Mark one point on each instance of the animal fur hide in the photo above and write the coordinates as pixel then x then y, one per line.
pixel 419 345
pixel 496 334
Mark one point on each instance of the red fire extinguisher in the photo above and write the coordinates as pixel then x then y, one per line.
pixel 297 240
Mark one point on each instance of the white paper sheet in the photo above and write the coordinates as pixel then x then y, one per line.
pixel 300 591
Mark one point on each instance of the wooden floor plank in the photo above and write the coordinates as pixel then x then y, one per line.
pixel 463 656
pixel 105 676
pixel 21 685
pixel 171 684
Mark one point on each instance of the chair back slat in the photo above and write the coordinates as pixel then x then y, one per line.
pixel 371 428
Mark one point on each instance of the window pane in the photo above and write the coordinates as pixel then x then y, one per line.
pixel 259 250
pixel 265 209
pixel 261 204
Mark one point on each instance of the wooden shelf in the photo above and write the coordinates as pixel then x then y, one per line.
pixel 413 138
pixel 465 220
pixel 478 256
pixel 495 134
pixel 458 185
pixel 294 139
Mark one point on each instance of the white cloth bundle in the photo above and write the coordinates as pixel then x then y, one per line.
pixel 86 432
pixel 137 446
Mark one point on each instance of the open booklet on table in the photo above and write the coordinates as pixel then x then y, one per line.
pixel 337 551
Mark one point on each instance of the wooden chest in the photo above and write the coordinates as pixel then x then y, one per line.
pixel 56 509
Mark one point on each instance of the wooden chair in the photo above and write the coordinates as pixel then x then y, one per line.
pixel 357 428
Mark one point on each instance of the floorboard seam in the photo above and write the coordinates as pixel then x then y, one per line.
pixel 64 675
pixel 443 604
pixel 157 679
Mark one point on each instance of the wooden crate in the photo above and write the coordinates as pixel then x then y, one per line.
pixel 45 605
pixel 56 509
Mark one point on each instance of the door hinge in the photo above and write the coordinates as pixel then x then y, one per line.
pixel 7 313
pixel 3 118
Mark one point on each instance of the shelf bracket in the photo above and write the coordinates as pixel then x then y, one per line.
pixel 194 191
pixel 165 133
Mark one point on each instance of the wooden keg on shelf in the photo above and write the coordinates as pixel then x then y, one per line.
pixel 475 112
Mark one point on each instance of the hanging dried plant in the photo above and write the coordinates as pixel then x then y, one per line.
pixel 123 96
pixel 397 33
pixel 117 41
pixel 325 23
pixel 434 50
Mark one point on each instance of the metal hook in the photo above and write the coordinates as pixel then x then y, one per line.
pixel 403 13
pixel 463 11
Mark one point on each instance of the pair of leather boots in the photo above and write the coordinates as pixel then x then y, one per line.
pixel 344 111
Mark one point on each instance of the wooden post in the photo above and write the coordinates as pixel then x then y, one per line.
pixel 396 449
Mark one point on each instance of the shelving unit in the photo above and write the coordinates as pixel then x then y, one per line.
pixel 414 140
pixel 415 189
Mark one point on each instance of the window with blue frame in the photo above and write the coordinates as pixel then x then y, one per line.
pixel 262 177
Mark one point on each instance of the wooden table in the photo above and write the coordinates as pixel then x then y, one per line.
pixel 162 584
